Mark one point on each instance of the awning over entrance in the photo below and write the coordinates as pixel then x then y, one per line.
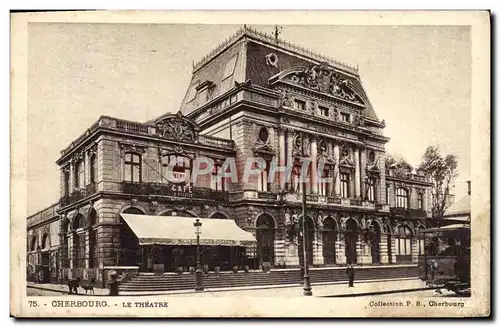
pixel 176 230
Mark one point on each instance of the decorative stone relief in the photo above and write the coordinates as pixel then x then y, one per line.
pixel 177 127
pixel 272 60
pixel 324 79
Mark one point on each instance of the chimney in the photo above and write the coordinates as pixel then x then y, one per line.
pixel 468 187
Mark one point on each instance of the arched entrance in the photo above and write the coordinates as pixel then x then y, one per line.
pixel 218 215
pixel 93 250
pixel 78 241
pixel 181 213
pixel 375 242
pixel 265 229
pixel 128 253
pixel 404 237
pixel 351 239
pixel 309 243
pixel 329 239
pixel 45 258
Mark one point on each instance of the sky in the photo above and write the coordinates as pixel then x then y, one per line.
pixel 418 79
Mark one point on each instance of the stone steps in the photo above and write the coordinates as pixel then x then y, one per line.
pixel 144 283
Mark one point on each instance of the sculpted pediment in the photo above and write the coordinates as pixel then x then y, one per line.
pixel 322 78
pixel 177 127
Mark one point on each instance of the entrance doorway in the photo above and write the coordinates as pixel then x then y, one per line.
pixel 265 238
pixel 351 239
pixel 375 242
pixel 329 239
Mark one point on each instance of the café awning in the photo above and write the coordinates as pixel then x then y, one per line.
pixel 176 230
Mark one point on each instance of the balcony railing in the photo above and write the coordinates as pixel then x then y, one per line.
pixel 417 213
pixel 79 194
pixel 408 212
pixel 176 190
pixel 399 211
pixel 267 195
pixel 355 202
pixel 334 200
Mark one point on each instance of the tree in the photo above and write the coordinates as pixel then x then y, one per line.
pixel 442 171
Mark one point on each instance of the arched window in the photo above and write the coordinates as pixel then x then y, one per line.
pixel 403 244
pixel 401 198
pixel 133 167
pixel 45 238
pixel 33 243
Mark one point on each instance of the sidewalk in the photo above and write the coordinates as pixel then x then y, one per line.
pixel 61 288
pixel 335 289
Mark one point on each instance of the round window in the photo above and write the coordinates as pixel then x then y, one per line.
pixel 263 134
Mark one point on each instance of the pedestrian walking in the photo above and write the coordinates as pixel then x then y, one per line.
pixel 350 275
pixel 113 283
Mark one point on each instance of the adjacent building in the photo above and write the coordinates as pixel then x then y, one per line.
pixel 254 96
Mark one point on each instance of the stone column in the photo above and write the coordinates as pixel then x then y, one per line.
pixel 357 184
pixel 282 158
pixel 340 257
pixel 378 193
pixel 384 254
pixel 362 172
pixel 71 183
pixel 314 168
pixel 86 168
pixel 336 171
pixel 289 158
pixel 87 247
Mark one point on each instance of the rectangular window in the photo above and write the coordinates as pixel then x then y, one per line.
pixel 387 195
pixel 93 169
pixel 216 183
pixel 299 105
pixel 80 174
pixel 344 185
pixel 420 201
pixel 401 198
pixel 262 184
pixel 133 168
pixel 323 185
pixel 345 117
pixel 323 111
pixel 370 189
pixel 66 182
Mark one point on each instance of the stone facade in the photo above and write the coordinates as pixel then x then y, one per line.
pixel 292 108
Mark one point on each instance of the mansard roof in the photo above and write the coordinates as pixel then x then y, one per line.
pixel 253 56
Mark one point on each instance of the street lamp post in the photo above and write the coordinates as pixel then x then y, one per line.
pixel 307 279
pixel 199 284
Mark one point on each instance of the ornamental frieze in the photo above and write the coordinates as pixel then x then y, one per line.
pixel 326 80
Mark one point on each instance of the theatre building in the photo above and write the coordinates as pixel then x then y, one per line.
pixel 252 96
